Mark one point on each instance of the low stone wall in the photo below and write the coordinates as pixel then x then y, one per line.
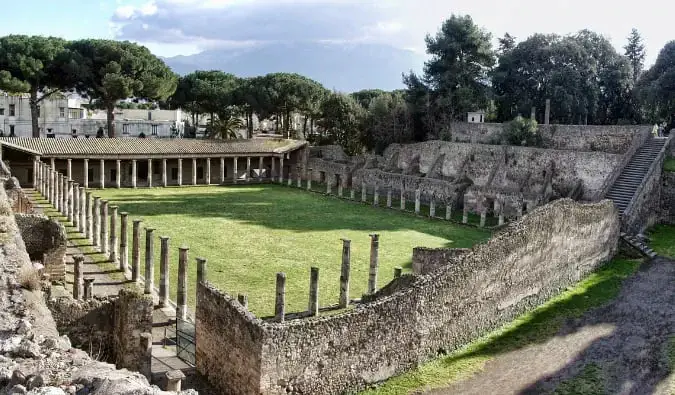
pixel 427 260
pixel 524 265
pixel 668 198
pixel 17 197
pixel 46 241
pixel 131 327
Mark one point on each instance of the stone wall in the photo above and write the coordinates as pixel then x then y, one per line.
pixel 427 260
pixel 668 198
pixel 45 241
pixel 132 323
pixel 524 265
pixel 17 197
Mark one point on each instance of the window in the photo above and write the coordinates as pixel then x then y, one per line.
pixel 472 119
pixel 174 173
pixel 50 134
pixel 125 128
pixel 62 112
pixel 200 173
pixel 11 131
pixel 154 130
pixel 2 111
pixel 149 115
pixel 75 113
pixel 74 132
pixel 12 110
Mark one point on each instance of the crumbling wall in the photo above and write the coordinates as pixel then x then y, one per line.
pixel 525 264
pixel 19 201
pixel 131 327
pixel 668 198
pixel 45 241
pixel 427 260
pixel 329 153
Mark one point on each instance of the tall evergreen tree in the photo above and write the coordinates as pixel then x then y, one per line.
pixel 635 51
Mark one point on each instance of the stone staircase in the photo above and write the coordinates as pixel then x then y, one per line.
pixel 639 244
pixel 626 186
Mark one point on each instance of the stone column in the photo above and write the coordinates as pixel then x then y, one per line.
pixel 164 178
pixel 102 173
pixel 104 228
pixel 134 173
pixel 164 272
pixel 483 217
pixel 465 216
pixel 280 302
pixel 374 261
pixel 448 211
pixel 114 256
pixel 88 288
pixel 260 168
pixel 86 173
pixel 181 295
pixel 89 221
pixel 65 195
pixel 274 172
pixel 243 300
pixel 314 291
pixel 194 171
pixel 352 193
pixel 299 178
pixel 83 210
pixel 76 206
pixel 53 163
pixel 69 201
pixel 173 380
pixel 69 169
pixel 281 170
pixel 309 179
pixel 57 192
pixel 376 196
pixel 180 172
pixel 329 184
pixel 63 184
pixel 222 170
pixel 124 236
pixel 341 192
pixel 364 192
pixel 118 174
pixel 96 228
pixel 136 251
pixel 418 202
pixel 149 173
pixel 36 175
pixel 547 112
pixel 402 199
pixel 501 219
pixel 208 171
pixel 77 282
pixel 248 169
pixel 344 273
pixel 432 207
pixel 235 171
pixel 389 197
pixel 149 260
pixel 201 270
pixel 52 190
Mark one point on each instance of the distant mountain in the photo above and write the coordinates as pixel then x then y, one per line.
pixel 345 67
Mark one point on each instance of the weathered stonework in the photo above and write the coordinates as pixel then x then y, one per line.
pixel 133 320
pixel 426 260
pixel 409 322
pixel 668 198
pixel 45 241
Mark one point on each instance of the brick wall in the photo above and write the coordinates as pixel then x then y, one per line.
pixel 45 241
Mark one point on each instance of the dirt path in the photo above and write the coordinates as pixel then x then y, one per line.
pixel 621 348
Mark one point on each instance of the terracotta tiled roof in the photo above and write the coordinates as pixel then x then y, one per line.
pixel 117 147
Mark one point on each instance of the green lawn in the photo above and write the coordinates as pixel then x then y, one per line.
pixel 663 240
pixel 533 327
pixel 669 164
pixel 249 233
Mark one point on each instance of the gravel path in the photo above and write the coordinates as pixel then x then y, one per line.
pixel 627 339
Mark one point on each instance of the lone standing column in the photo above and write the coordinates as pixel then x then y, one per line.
pixel 281 170
pixel 134 170
pixel 69 201
pixel 418 202
pixel 344 273
pixel 180 172
pixel 114 257
pixel 222 170
pixel 248 169
pixel 136 251
pixel 164 272
pixel 314 291
pixel 374 261
pixel 208 171
pixel 181 295
pixel 86 173
pixel 149 173
pixel 89 222
pixel 77 283
pixel 164 179
pixel 96 229
pixel 280 302
pixel 149 260
pixel 104 228
pixel 118 174
pixel 194 171
pixel 235 172
pixel 201 270
pixel 124 248
pixel 102 174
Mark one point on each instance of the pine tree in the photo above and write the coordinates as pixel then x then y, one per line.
pixel 635 51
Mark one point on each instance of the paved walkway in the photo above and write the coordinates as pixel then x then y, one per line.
pixel 108 281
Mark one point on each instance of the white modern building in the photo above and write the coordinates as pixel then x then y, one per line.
pixel 64 117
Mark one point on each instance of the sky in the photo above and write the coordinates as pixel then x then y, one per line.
pixel 186 27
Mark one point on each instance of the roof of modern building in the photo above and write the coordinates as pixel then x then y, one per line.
pixel 117 148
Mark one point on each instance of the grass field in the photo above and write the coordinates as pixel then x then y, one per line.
pixel 663 240
pixel 249 233
pixel 669 164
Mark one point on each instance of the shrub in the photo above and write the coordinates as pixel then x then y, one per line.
pixel 522 131
pixel 29 278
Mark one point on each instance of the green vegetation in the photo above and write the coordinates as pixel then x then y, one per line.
pixel 249 233
pixel 669 164
pixel 533 327
pixel 663 240
pixel 589 381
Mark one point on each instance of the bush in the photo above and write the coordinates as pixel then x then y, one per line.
pixel 522 131
pixel 29 278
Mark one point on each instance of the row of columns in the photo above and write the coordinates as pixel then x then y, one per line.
pixel 41 174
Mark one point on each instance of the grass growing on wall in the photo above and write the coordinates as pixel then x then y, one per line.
pixel 536 326
pixel 248 233
pixel 669 164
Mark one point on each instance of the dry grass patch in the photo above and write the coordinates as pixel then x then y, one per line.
pixel 29 278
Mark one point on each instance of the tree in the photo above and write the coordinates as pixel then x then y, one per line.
pixel 341 118
pixel 364 97
pixel 224 128
pixel 506 43
pixel 387 121
pixel 656 87
pixel 636 53
pixel 107 71
pixel 30 64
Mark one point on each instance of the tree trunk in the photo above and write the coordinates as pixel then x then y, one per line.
pixel 34 115
pixel 110 107
pixel 304 128
pixel 276 123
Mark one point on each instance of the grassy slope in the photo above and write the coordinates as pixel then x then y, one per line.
pixel 663 240
pixel 536 326
pixel 669 164
pixel 249 233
